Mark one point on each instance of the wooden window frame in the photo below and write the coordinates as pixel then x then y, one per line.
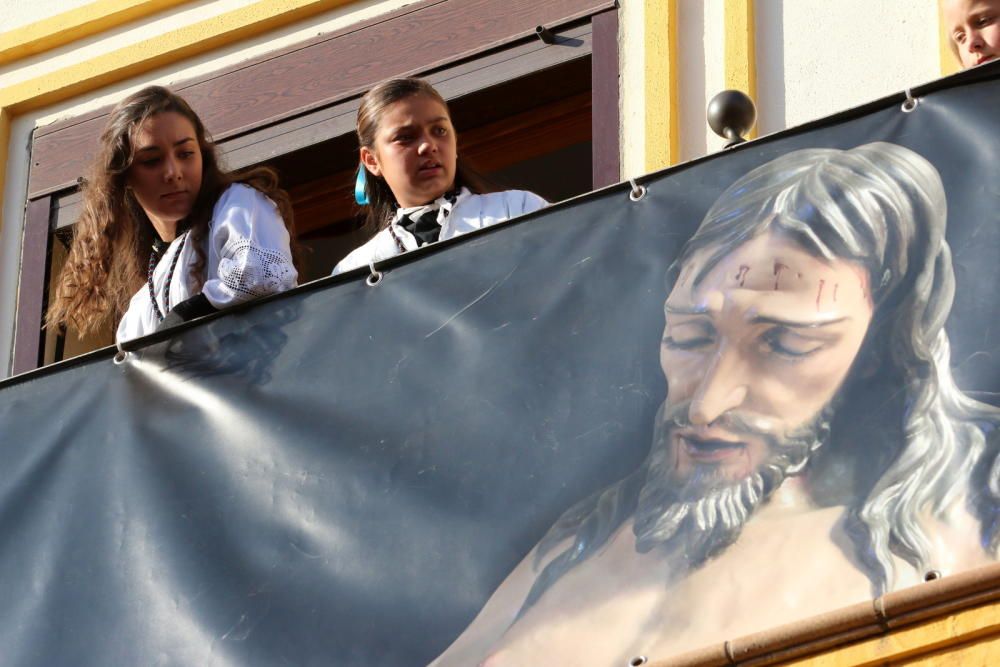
pixel 492 39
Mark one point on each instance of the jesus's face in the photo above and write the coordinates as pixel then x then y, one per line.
pixel 757 347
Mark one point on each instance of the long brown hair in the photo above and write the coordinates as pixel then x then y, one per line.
pixel 112 238
pixel 381 202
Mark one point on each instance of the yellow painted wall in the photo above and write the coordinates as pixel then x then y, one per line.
pixel 949 61
pixel 740 49
pixel 661 84
pixel 970 638
pixel 76 24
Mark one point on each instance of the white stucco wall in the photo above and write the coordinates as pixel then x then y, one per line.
pixel 123 36
pixel 814 58
pixel 632 61
pixel 702 73
pixel 818 57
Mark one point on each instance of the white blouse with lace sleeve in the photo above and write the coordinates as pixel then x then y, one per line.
pixel 247 256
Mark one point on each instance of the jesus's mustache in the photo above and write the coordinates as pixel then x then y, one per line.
pixel 704 512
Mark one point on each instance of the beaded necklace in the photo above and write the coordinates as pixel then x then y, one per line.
pixel 154 259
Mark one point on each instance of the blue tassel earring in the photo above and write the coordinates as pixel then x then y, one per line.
pixel 360 194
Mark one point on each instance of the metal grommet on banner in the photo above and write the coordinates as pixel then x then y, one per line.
pixel 375 277
pixel 638 660
pixel 932 575
pixel 637 192
pixel 121 355
pixel 910 103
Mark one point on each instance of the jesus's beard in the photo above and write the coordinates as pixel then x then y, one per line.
pixel 697 517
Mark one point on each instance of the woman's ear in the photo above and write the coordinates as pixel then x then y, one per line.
pixel 370 160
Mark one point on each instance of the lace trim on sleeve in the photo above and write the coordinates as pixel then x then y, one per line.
pixel 255 271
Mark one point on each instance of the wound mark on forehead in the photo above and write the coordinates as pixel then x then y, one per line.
pixel 778 268
pixel 819 292
pixel 742 275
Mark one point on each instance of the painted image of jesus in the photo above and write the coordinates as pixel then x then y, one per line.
pixel 813 449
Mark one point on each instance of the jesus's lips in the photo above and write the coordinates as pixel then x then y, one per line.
pixel 708 450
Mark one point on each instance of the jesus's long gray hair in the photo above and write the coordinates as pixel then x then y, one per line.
pixel 882 206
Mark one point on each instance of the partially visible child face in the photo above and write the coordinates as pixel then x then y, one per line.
pixel 415 150
pixel 974 29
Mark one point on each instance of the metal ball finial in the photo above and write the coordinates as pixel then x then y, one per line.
pixel 731 114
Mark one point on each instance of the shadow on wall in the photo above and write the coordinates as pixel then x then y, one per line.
pixel 691 38
pixel 770 55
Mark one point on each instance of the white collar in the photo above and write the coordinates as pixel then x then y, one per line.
pixel 442 204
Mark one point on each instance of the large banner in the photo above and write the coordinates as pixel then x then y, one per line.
pixel 759 390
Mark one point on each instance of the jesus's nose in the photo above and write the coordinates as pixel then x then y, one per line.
pixel 722 388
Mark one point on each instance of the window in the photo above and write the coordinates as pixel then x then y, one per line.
pixel 526 112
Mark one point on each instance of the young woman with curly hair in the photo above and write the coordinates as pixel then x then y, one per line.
pixel 166 234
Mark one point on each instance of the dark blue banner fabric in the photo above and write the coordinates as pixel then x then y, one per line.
pixel 762 391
